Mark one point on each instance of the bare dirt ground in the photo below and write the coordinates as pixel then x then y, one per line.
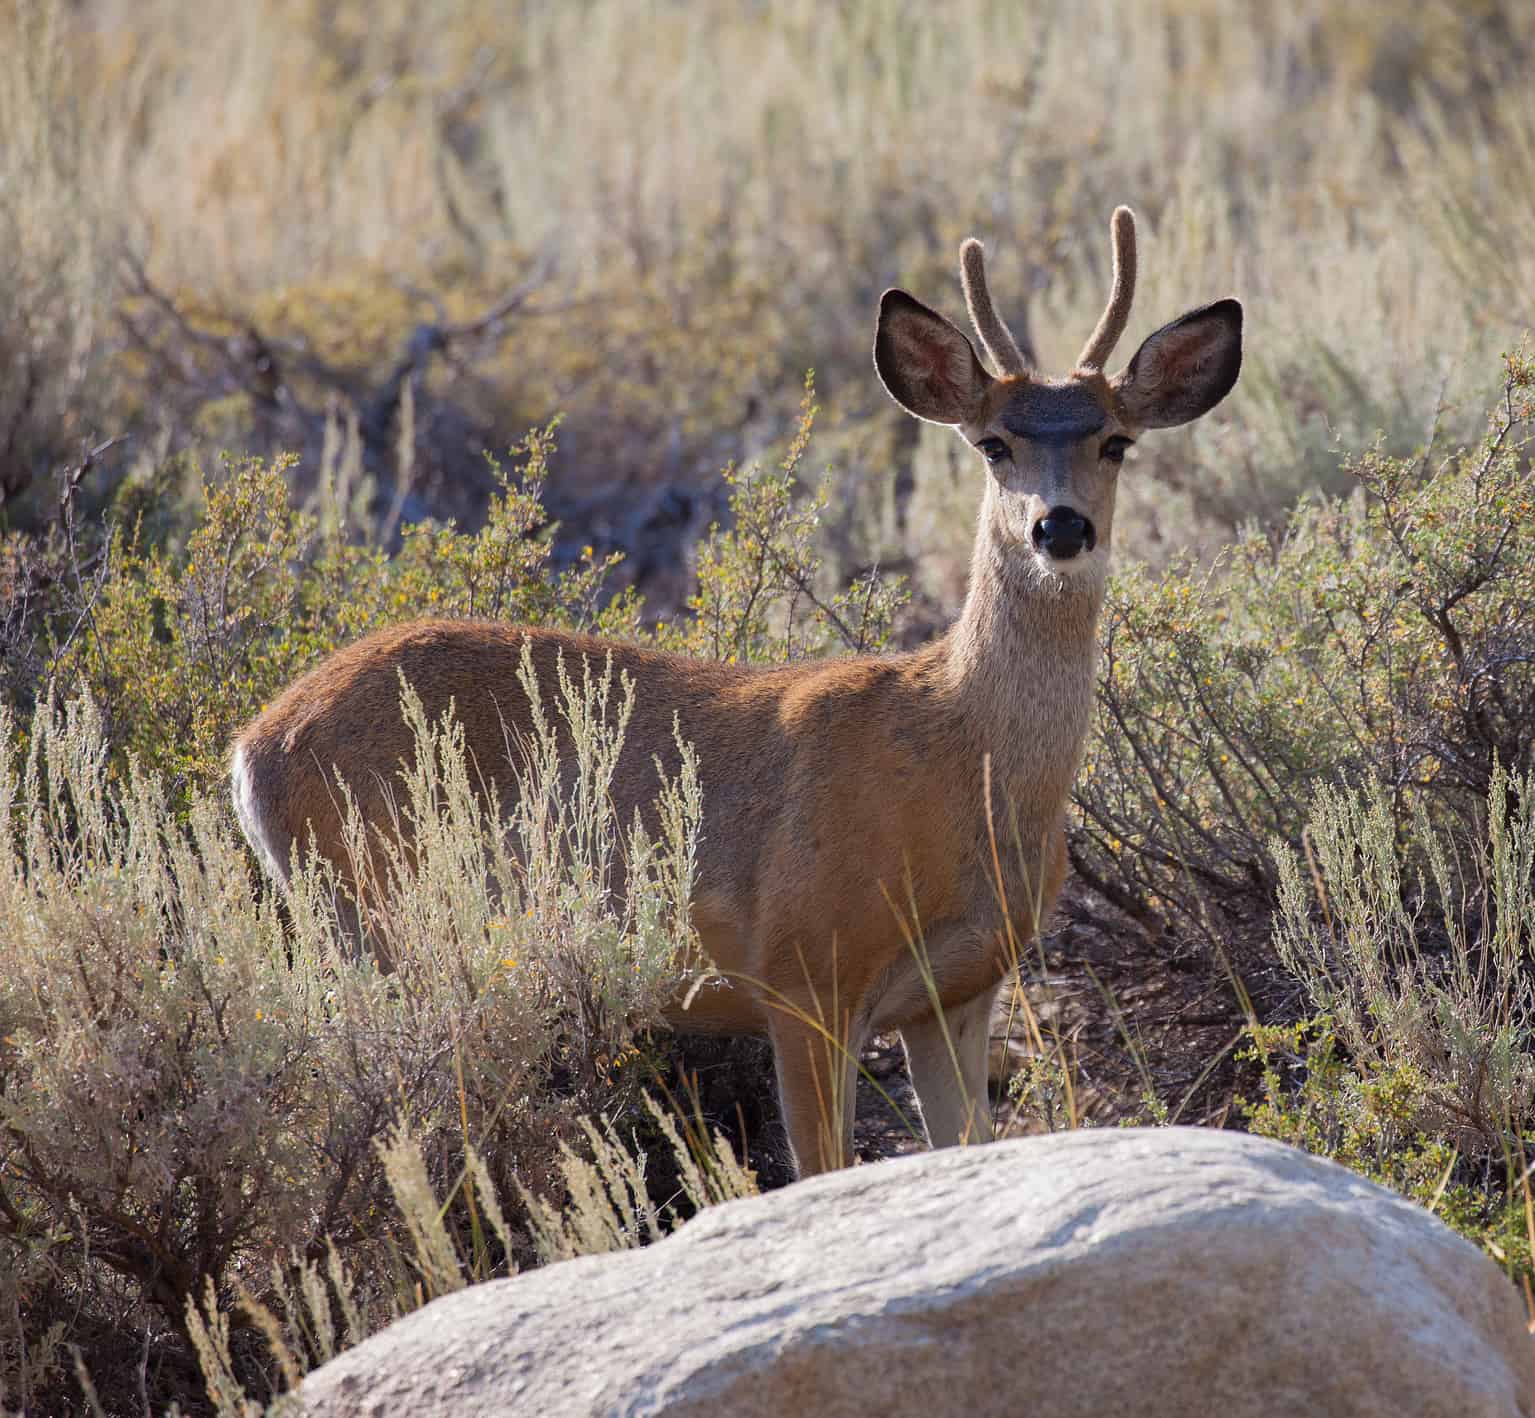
pixel 1133 1022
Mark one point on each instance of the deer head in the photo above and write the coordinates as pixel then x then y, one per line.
pixel 1053 447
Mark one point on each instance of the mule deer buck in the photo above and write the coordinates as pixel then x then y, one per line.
pixel 833 791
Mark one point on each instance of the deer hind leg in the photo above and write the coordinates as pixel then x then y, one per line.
pixel 817 1068
pixel 947 1059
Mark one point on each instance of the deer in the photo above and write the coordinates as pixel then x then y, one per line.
pixel 849 804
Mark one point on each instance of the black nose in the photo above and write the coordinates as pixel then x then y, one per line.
pixel 1062 532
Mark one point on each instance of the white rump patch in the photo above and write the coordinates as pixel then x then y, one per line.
pixel 248 810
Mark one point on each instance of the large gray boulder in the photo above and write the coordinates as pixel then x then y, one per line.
pixel 1158 1272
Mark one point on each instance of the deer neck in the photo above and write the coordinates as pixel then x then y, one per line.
pixel 1021 661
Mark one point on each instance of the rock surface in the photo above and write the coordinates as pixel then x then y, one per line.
pixel 1157 1272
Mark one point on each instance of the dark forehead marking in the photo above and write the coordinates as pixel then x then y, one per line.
pixel 1053 413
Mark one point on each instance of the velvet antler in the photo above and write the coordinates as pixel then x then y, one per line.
pixel 1100 344
pixel 996 339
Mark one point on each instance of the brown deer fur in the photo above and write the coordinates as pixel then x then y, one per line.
pixel 835 792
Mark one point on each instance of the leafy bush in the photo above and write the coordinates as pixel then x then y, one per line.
pixel 762 596
pixel 1312 1096
pixel 1415 950
pixel 1386 638
pixel 189 1092
pixel 1418 947
pixel 190 623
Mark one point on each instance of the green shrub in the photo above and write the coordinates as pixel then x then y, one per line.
pixel 1417 947
pixel 185 633
pixel 762 595
pixel 1311 1095
pixel 189 1092
pixel 1414 944
pixel 1388 637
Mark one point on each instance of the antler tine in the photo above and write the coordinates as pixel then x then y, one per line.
pixel 996 338
pixel 1100 344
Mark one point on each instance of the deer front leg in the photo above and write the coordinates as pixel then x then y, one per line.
pixel 817 1069
pixel 947 1059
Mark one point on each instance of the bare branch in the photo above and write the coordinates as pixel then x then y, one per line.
pixel 440 337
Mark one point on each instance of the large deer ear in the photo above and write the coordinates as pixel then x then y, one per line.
pixel 928 366
pixel 1183 370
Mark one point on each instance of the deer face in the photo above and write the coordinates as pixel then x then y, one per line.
pixel 1053 450
pixel 1052 447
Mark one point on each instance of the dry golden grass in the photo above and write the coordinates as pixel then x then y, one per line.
pixel 724 190
pixel 750 177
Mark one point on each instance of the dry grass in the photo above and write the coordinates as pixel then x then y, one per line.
pixel 748 179
pixel 201 1085
pixel 222 225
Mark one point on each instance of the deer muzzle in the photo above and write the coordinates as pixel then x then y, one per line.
pixel 1062 533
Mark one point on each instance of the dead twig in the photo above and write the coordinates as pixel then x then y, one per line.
pixel 446 338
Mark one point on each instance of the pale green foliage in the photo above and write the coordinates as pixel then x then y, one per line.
pixel 1416 962
pixel 606 1206
pixel 1387 636
pixel 1371 1119
pixel 761 596
pixel 1414 947
pixel 153 1031
pixel 190 1089
pixel 580 860
pixel 567 924
pixel 1041 1091
pixel 202 613
pixel 502 571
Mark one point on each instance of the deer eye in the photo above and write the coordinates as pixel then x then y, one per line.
pixel 1113 449
pixel 994 449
